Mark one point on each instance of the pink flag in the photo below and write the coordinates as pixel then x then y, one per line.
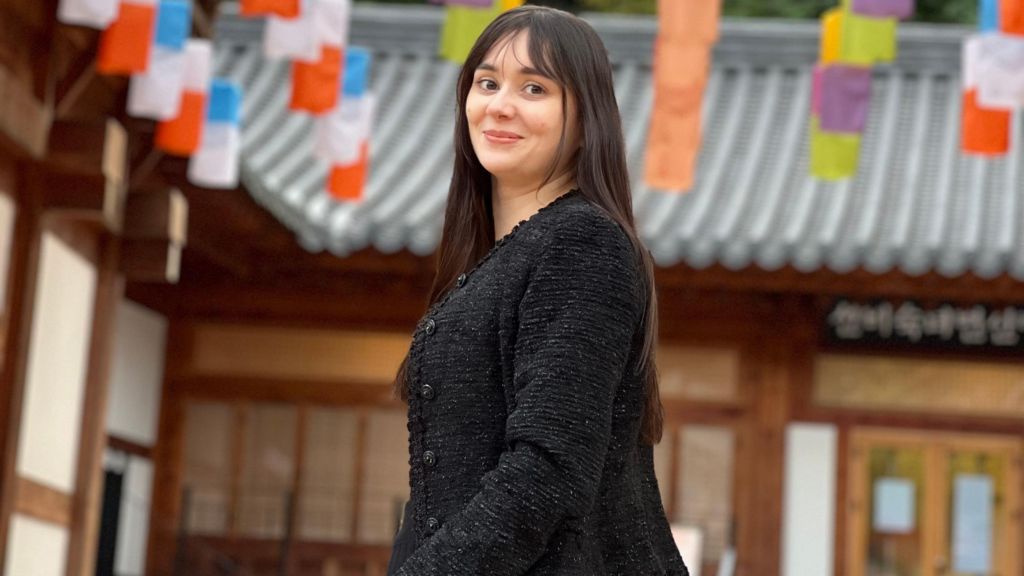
pixel 845 96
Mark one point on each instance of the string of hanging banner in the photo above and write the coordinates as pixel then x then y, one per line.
pixel 861 33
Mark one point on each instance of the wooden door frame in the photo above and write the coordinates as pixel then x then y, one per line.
pixel 935 488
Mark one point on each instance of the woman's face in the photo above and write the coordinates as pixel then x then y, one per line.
pixel 515 116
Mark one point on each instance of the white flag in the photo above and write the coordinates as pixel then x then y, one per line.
pixel 92 13
pixel 342 132
pixel 198 65
pixel 1001 73
pixel 331 18
pixel 215 164
pixel 156 93
pixel 292 38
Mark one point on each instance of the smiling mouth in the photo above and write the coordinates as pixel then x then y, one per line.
pixel 501 137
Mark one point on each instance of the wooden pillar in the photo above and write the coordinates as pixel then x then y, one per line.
pixel 168 462
pixel 88 499
pixel 23 273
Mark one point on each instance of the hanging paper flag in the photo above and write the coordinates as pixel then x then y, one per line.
pixel 315 84
pixel 507 5
pixel 999 71
pixel 124 46
pixel 347 182
pixel 156 93
pixel 96 14
pixel 342 132
pixel 292 38
pixel 816 77
pixel 181 135
pixel 901 9
pixel 845 95
pixel 984 131
pixel 864 41
pixel 215 163
pixel 689 20
pixel 833 155
pixel 331 20
pixel 282 8
pixel 831 35
pixel 1011 17
pixel 462 26
pixel 673 143
pixel 988 15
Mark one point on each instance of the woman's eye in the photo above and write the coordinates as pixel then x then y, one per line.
pixel 535 89
pixel 487 84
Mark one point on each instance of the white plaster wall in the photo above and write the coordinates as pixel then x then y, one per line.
pixel 130 555
pixel 57 363
pixel 7 211
pixel 808 518
pixel 35 548
pixel 137 373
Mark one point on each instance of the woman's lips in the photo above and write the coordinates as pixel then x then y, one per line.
pixel 501 137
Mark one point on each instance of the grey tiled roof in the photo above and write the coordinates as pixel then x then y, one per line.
pixel 917 204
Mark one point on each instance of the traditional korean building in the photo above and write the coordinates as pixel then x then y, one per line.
pixel 840 362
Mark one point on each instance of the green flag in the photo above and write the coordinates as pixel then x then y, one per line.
pixel 462 26
pixel 833 154
pixel 865 40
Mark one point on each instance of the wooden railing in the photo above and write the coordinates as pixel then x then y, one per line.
pixel 223 556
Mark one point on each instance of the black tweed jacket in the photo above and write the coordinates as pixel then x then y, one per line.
pixel 525 410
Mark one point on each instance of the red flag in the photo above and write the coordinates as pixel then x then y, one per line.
pixel 1011 17
pixel 984 131
pixel 315 85
pixel 124 46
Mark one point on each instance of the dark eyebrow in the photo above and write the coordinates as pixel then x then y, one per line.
pixel 528 70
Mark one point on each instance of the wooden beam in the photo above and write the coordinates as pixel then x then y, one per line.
pixel 88 500
pixel 129 447
pixel 157 215
pixel 79 75
pixel 84 196
pixel 24 119
pixel 150 261
pixel 42 502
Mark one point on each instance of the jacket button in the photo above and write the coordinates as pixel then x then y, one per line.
pixel 429 458
pixel 461 280
pixel 427 391
pixel 433 524
pixel 430 326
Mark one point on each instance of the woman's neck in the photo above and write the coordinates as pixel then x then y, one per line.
pixel 511 204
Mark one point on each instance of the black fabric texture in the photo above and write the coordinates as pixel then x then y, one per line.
pixel 525 406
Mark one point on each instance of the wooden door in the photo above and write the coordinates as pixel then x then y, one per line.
pixel 933 504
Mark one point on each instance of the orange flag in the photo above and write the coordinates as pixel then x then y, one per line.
pixel 181 135
pixel 1011 16
pixel 282 8
pixel 984 131
pixel 346 182
pixel 124 46
pixel 689 20
pixel 315 85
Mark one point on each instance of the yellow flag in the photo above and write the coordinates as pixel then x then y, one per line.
pixel 831 30
pixel 833 155
pixel 510 4
pixel 462 26
pixel 865 41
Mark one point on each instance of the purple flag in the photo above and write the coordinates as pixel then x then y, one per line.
pixel 816 90
pixel 845 95
pixel 883 8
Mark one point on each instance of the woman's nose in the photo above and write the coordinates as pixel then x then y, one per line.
pixel 500 105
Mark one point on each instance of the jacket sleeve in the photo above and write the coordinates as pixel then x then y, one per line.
pixel 576 322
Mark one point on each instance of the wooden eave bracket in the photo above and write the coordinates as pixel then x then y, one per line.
pixel 154 233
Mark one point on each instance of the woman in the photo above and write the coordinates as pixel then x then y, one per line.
pixel 533 401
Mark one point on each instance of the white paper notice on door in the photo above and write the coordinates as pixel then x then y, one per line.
pixel 894 505
pixel 972 523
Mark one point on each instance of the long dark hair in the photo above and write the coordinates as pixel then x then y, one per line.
pixel 566 48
